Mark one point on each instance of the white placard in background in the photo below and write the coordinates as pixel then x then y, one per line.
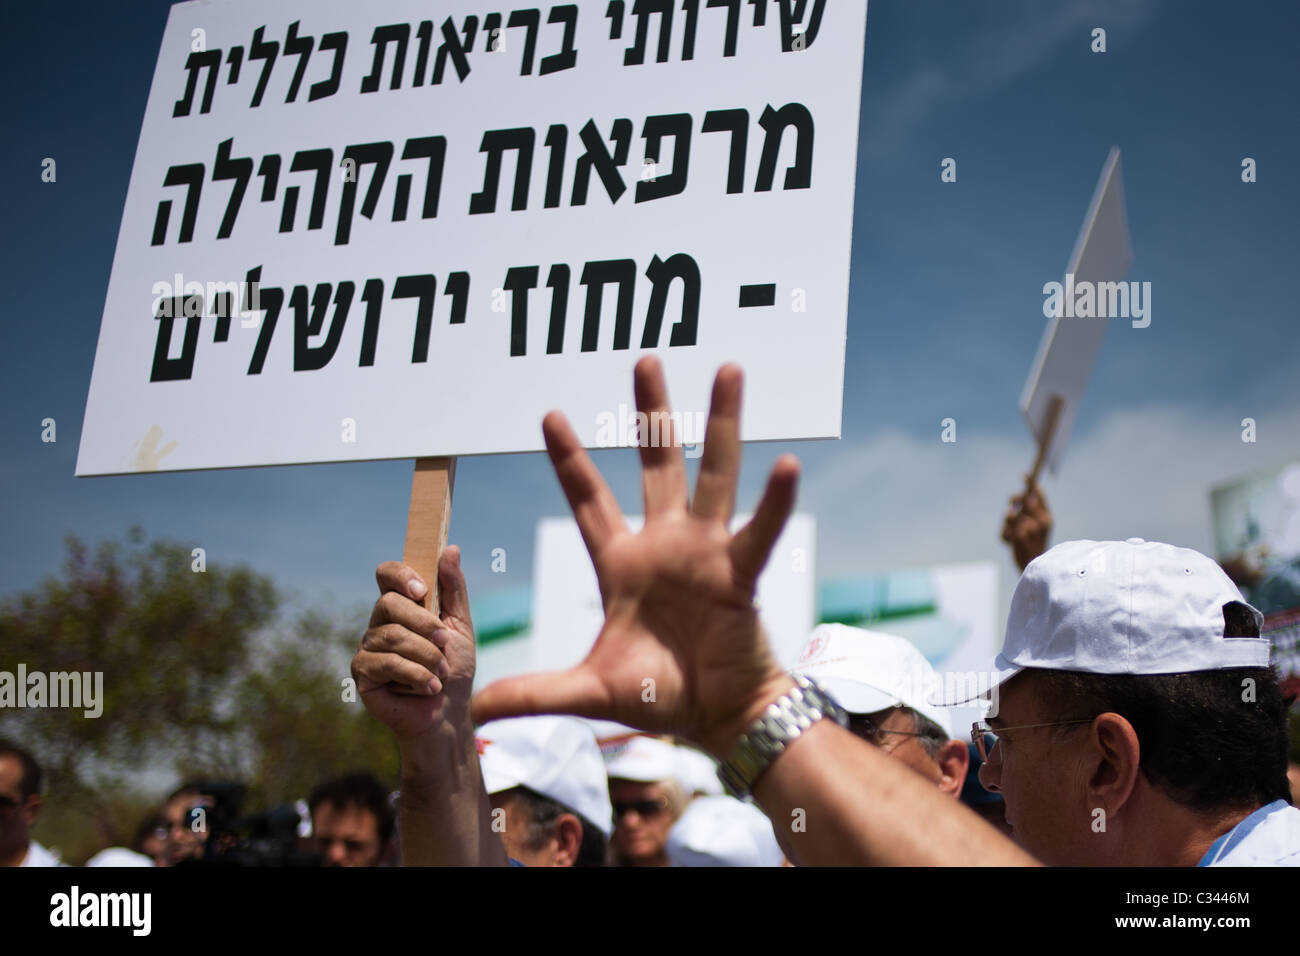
pixel 694 165
pixel 1069 345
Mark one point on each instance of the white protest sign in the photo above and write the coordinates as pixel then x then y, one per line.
pixel 455 220
pixel 1080 309
pixel 567 612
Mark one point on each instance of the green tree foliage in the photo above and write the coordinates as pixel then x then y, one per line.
pixel 201 679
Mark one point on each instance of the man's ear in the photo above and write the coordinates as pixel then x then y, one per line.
pixel 1117 755
pixel 953 760
pixel 32 809
pixel 568 840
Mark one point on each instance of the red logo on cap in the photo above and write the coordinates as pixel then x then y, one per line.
pixel 813 648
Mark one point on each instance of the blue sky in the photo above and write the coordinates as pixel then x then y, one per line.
pixel 944 308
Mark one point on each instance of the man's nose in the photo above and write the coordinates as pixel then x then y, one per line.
pixel 991 772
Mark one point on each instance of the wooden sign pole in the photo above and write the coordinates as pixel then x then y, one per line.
pixel 427 523
pixel 1055 404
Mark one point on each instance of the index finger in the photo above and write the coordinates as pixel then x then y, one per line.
pixel 594 505
pixel 395 576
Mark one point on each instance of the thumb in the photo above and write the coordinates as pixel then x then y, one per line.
pixel 453 592
pixel 577 691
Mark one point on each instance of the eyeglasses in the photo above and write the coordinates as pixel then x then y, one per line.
pixel 985 738
pixel 644 808
pixel 871 732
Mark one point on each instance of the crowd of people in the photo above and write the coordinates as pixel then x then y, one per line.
pixel 1133 716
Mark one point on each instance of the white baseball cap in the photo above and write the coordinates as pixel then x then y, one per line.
pixel 1122 607
pixel 723 831
pixel 867 671
pixel 555 756
pixel 644 759
pixel 697 772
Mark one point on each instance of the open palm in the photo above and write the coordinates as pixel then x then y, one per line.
pixel 681 649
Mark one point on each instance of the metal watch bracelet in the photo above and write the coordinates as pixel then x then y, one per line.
pixel 784 720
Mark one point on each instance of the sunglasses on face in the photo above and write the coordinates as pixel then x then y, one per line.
pixel 644 808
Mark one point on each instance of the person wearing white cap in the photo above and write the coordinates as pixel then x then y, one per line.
pixel 549 792
pixel 647 799
pixel 723 831
pixel 884 683
pixel 1079 787
pixel 1139 722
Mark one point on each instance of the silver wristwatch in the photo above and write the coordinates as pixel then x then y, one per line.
pixel 766 739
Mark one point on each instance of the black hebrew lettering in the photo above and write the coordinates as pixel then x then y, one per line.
pixel 167 312
pixel 373 296
pixel 558 283
pixel 420 287
pixel 458 289
pixel 661 272
pixel 774 123
pixel 792 12
pixel 209 60
pixel 678 126
pixel 692 10
pixel 737 123
pixel 191 177
pixel 760 11
pixel 241 171
pixel 424 34
pixel 322 161
pixel 519 280
pixel 434 149
pixel 597 156
pixel 642 10
pixel 399 33
pixel 595 276
pixel 379 155
pixel 614 13
pixel 300 47
pixel 270 301
pixel 305 356
pixel 452 46
pixel 568 55
pixel 496 142
pixel 733 24
pixel 223 304
pixel 557 138
pixel 338 42
pixel 234 60
pixel 269 170
pixel 259 50
pixel 530 20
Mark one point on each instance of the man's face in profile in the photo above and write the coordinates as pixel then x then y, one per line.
pixel 1042 777
pixel 894 730
pixel 346 836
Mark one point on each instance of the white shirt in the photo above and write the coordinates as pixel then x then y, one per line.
pixel 37 855
pixel 1268 837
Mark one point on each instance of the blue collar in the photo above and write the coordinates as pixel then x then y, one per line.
pixel 1234 837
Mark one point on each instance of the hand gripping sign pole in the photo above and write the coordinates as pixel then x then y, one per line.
pixel 427 523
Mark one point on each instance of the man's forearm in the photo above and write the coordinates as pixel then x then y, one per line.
pixel 446 817
pixel 835 800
